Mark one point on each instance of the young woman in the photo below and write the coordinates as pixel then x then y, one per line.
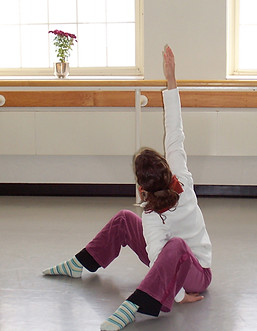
pixel 171 237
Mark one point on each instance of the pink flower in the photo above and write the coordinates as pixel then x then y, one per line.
pixel 63 41
pixel 73 36
pixel 64 34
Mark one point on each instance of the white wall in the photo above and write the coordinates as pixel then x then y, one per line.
pixel 196 30
pixel 96 147
pixel 208 170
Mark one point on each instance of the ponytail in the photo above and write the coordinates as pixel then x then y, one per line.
pixel 154 176
pixel 161 200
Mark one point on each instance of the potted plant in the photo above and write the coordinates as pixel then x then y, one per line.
pixel 63 41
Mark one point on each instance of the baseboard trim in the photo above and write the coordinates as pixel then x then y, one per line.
pixel 247 191
pixel 116 190
pixel 63 189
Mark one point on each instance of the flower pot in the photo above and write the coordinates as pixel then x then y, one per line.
pixel 61 69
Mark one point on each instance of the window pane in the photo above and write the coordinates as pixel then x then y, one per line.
pixel 70 28
pixel 247 48
pixel 105 30
pixel 120 11
pixel 62 11
pixel 121 44
pixel 34 41
pixel 92 53
pixel 248 12
pixel 9 11
pixel 91 11
pixel 34 11
pixel 10 40
pixel 247 34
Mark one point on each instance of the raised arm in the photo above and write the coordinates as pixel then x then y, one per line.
pixel 174 135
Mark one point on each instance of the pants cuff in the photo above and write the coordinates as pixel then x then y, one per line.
pixel 147 304
pixel 87 260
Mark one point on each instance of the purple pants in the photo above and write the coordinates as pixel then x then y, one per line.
pixel 175 267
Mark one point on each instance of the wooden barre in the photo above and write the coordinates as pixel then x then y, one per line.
pixel 127 83
pixel 197 99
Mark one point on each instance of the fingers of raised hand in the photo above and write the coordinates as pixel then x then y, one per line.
pixel 168 52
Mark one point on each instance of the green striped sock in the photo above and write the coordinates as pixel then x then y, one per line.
pixel 72 268
pixel 124 315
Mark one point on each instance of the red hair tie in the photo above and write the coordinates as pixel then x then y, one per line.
pixel 176 185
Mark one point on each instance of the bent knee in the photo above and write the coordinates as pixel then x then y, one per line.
pixel 125 213
pixel 178 244
pixel 127 216
pixel 177 241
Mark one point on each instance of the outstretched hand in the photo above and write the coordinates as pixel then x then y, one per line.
pixel 169 67
pixel 192 297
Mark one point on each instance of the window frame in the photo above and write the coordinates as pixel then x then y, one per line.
pixel 232 63
pixel 80 72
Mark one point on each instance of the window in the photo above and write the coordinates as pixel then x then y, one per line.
pixel 242 43
pixel 109 34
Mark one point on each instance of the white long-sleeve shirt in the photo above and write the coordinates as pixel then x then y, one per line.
pixel 186 221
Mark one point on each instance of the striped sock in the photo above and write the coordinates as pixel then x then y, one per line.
pixel 72 268
pixel 124 315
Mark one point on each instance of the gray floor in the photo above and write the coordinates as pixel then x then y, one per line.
pixel 38 232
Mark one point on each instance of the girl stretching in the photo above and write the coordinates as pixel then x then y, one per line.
pixel 171 237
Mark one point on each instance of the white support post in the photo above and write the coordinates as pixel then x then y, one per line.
pixel 140 101
pixel 138 129
pixel 138 118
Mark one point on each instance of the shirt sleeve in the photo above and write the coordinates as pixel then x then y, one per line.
pixel 180 295
pixel 156 236
pixel 174 134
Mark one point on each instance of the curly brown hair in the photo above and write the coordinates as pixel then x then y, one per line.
pixel 153 174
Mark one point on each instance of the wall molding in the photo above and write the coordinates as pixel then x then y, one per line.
pixel 115 190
